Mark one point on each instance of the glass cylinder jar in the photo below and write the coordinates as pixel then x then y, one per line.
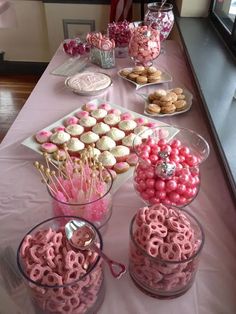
pixel 144 46
pixel 168 167
pixel 96 208
pixel 160 17
pixel 120 32
pixel 103 58
pixel 59 279
pixel 164 265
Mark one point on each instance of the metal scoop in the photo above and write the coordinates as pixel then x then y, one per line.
pixel 81 235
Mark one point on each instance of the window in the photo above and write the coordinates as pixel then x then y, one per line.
pixel 223 15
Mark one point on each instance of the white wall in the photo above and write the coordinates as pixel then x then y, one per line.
pixel 28 41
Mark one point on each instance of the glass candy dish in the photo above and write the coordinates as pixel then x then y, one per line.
pixel 168 170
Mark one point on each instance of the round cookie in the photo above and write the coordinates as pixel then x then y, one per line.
pixel 168 109
pixel 48 148
pixel 141 80
pixel 153 108
pixel 125 72
pixel 121 167
pixel 132 76
pixel 43 136
pixel 180 104
pixel 139 69
pixel 177 90
pixel 132 160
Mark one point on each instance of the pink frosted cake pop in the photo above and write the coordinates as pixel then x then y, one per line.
pixel 82 113
pixel 48 148
pixel 43 136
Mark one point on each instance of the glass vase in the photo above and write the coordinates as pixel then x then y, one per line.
pixel 59 279
pixel 103 58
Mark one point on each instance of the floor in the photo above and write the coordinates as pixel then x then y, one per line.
pixel 14 91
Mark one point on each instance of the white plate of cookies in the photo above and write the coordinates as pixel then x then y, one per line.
pixel 164 103
pixel 142 76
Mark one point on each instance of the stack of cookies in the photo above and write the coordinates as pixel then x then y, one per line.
pixel 166 102
pixel 142 75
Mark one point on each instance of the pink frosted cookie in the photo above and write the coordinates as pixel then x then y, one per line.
pixel 43 136
pixel 115 111
pixel 104 106
pixel 82 114
pixel 141 121
pixel 89 137
pixel 98 114
pixel 132 159
pixel 59 128
pixel 71 120
pixel 121 167
pixel 101 128
pixel 127 126
pixel 126 116
pixel 112 119
pixel 107 159
pixel 59 137
pixel 116 134
pixel 105 143
pixel 74 129
pixel 89 107
pixel 131 140
pixel 87 122
pixel 48 148
pixel 120 152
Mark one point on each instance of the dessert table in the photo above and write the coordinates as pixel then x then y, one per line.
pixel 25 201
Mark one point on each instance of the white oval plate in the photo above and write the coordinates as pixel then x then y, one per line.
pixel 88 83
pixel 188 98
pixel 165 77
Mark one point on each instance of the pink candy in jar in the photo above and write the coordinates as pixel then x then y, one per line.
pixel 144 45
pixel 60 280
pixel 160 17
pixel 165 245
pixel 168 167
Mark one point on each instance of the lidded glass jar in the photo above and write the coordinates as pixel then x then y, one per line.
pixel 165 247
pixel 144 45
pixel 160 17
pixel 59 278
pixel 168 167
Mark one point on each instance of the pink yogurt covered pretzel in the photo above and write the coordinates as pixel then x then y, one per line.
pixel 167 235
pixel 49 261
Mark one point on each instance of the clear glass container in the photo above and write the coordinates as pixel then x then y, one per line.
pixel 160 17
pixel 160 278
pixel 103 58
pixel 97 210
pixel 59 279
pixel 144 45
pixel 168 169
pixel 120 32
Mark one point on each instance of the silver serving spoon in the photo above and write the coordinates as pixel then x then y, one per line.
pixel 81 235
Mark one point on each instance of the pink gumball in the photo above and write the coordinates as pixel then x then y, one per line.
pixel 142 175
pixel 182 200
pixel 162 142
pixel 150 173
pixel 150 142
pixel 174 197
pixel 142 185
pixel 144 155
pixel 153 159
pixel 150 183
pixel 181 188
pixel 184 150
pixel 144 148
pixel 161 195
pixel 186 171
pixel 192 182
pixel 171 185
pixel 189 193
pixel 150 192
pixel 154 200
pixel 145 196
pixel 191 160
pixel 175 143
pixel 183 178
pixel 160 185
pixel 174 151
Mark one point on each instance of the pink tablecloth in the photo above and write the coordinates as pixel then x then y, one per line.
pixel 24 200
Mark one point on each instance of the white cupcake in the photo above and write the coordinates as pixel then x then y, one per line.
pixel 87 122
pixel 99 114
pixel 107 159
pixel 112 119
pixel 101 128
pixel 105 143
pixel 89 137
pixel 116 134
pixel 129 140
pixel 127 126
pixel 59 137
pixel 120 152
pixel 75 129
pixel 74 145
